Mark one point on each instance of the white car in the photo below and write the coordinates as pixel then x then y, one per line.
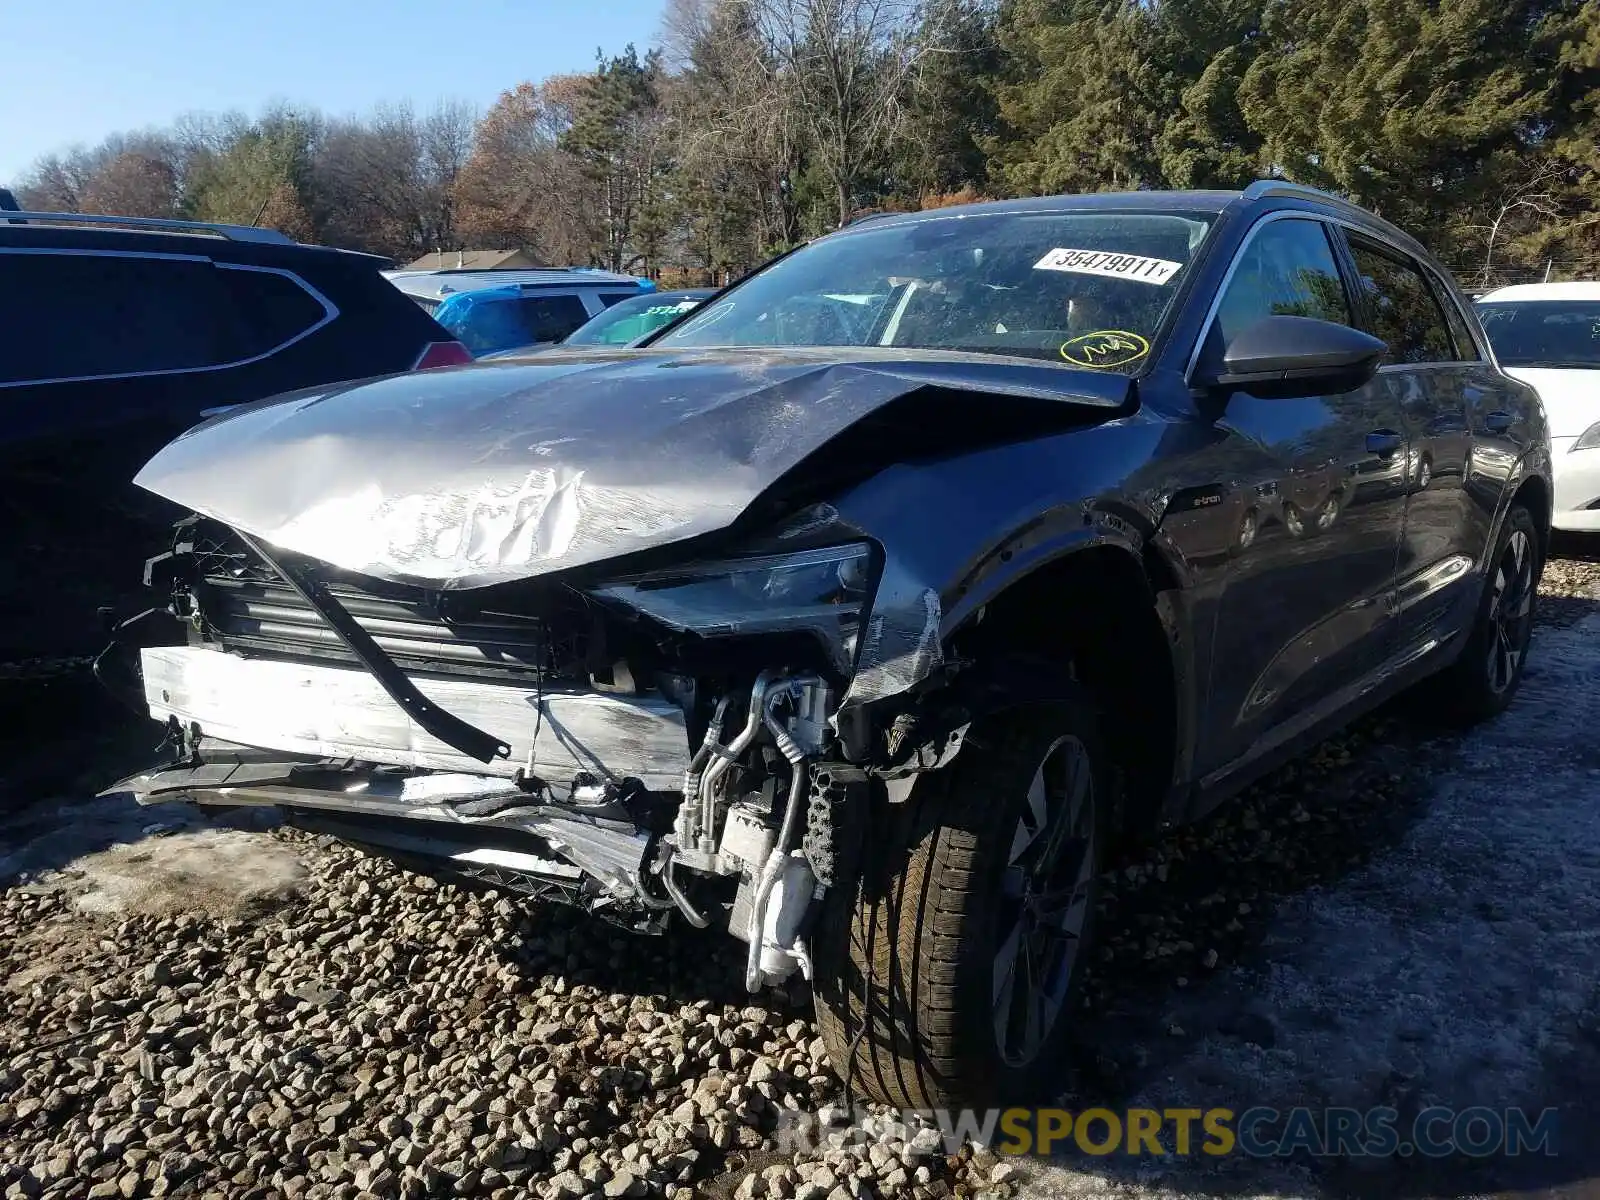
pixel 1548 335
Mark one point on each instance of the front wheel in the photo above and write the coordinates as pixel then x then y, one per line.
pixel 948 974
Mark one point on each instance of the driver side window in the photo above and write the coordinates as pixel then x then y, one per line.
pixel 1287 269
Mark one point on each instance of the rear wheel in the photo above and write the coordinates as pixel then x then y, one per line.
pixel 1484 680
pixel 948 974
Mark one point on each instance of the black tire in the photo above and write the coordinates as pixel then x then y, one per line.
pixel 1476 686
pixel 906 955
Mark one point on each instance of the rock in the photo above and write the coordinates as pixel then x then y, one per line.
pixel 1004 1171
pixel 169 1014
pixel 333 1109
pixel 379 1181
pixel 623 1184
pixel 410 1155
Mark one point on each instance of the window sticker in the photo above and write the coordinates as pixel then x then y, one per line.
pixel 1105 348
pixel 1114 266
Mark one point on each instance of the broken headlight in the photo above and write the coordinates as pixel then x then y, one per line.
pixel 825 588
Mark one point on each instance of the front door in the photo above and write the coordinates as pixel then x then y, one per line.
pixel 1303 613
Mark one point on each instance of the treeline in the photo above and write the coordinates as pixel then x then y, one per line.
pixel 757 123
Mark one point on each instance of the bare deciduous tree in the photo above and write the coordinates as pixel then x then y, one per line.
pixel 1534 191
pixel 739 140
pixel 518 188
pixel 847 68
pixel 388 181
pixel 132 185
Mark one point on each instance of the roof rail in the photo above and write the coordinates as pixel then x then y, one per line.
pixel 876 215
pixel 1283 187
pixel 234 233
pixel 1262 188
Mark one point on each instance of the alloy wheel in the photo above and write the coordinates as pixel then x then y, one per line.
pixel 1045 897
pixel 1510 610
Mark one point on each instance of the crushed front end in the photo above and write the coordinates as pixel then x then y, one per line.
pixel 666 741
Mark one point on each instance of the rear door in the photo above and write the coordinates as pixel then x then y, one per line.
pixel 1437 375
pixel 109 351
pixel 1303 617
pixel 101 354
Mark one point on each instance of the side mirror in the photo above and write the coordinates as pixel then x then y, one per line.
pixel 1298 356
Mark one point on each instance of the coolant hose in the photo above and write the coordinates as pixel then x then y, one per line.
pixel 770 874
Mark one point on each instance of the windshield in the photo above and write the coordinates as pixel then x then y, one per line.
pixel 633 318
pixel 1088 289
pixel 1544 333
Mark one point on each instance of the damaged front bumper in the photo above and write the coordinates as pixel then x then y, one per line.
pixel 478 826
pixel 543 741
pixel 759 821
pixel 688 739
pixel 315 709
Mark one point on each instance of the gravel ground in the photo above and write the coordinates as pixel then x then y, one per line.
pixel 202 1008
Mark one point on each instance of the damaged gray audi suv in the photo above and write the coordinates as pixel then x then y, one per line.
pixel 863 610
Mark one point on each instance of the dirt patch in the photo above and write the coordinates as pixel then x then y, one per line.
pixel 220 872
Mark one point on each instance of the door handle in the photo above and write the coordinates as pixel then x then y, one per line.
pixel 1498 421
pixel 1383 442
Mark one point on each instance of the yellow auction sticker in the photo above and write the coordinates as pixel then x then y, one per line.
pixel 1105 348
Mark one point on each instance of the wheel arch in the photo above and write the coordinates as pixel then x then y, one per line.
pixel 1105 608
pixel 1535 493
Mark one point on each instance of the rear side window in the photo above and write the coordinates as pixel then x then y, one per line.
pixel 272 309
pixel 610 298
pixel 1466 345
pixel 68 316
pixel 486 321
pixel 550 318
pixel 1404 311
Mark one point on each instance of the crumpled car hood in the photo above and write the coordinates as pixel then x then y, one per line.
pixel 479 475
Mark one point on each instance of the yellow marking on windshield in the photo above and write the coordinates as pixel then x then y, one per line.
pixel 1105 348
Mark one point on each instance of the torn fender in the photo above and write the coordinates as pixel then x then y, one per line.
pixel 479 475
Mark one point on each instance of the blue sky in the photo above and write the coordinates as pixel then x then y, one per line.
pixel 74 74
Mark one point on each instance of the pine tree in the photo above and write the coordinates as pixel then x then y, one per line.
pixel 952 106
pixel 1202 50
pixel 616 134
pixel 1079 101
pixel 1401 104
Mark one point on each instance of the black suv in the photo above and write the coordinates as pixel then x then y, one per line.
pixel 116 334
pixel 863 608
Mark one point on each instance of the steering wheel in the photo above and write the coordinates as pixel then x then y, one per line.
pixel 798 307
